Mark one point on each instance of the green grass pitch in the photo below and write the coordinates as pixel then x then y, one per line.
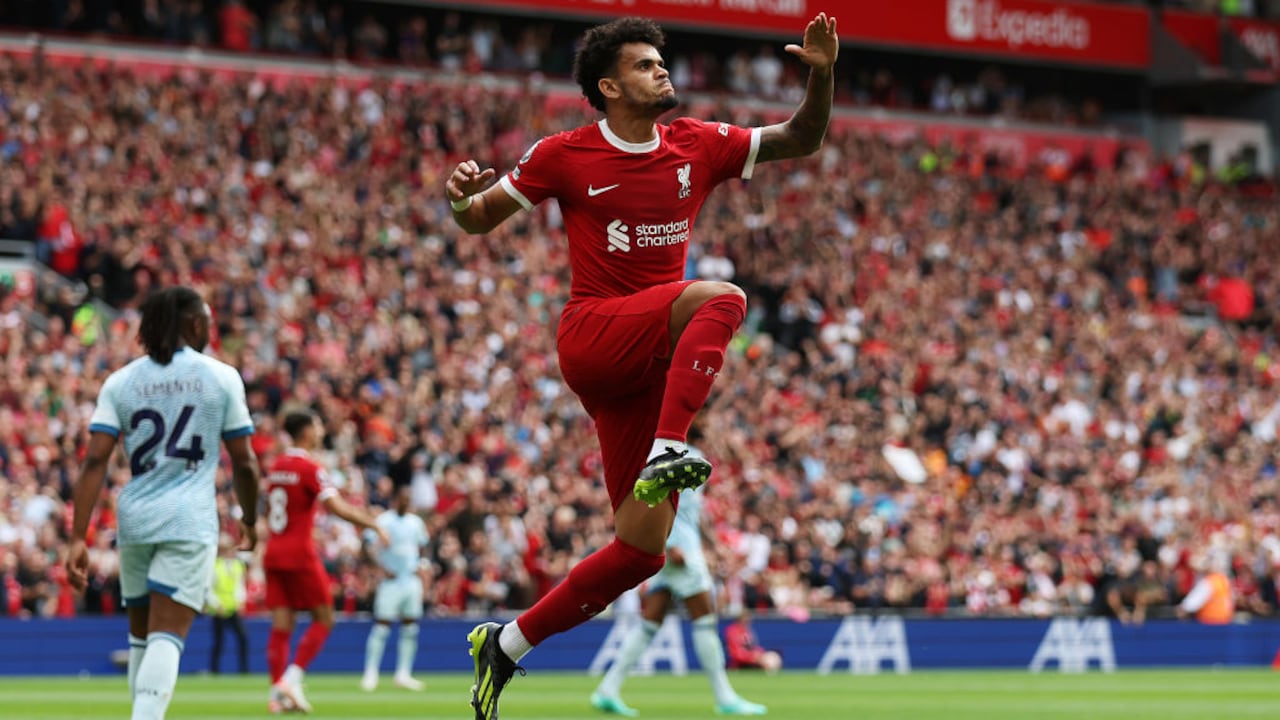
pixel 923 695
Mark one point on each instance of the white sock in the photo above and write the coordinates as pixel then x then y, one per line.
pixel 137 647
pixel 374 647
pixel 706 645
pixel 157 674
pixel 632 648
pixel 407 648
pixel 293 675
pixel 512 641
pixel 661 445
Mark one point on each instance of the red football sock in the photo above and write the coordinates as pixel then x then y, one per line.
pixel 697 359
pixel 310 644
pixel 277 654
pixel 591 585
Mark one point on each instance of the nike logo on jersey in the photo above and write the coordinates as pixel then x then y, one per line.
pixel 592 191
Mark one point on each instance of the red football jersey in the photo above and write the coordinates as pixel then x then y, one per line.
pixel 629 207
pixel 296 485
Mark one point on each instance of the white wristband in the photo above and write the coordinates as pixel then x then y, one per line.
pixel 460 205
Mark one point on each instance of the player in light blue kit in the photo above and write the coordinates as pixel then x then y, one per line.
pixel 399 595
pixel 685 575
pixel 168 409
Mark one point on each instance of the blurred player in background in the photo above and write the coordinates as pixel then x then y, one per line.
pixel 744 649
pixel 399 595
pixel 296 581
pixel 168 409
pixel 684 576
pixel 640 346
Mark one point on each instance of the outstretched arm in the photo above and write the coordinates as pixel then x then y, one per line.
pixel 803 133
pixel 355 516
pixel 476 209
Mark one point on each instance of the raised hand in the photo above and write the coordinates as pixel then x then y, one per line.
pixel 820 43
pixel 467 180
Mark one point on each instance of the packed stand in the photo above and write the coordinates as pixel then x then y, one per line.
pixel 961 388
pixel 451 41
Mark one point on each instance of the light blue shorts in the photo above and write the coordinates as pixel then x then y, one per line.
pixel 398 599
pixel 181 570
pixel 684 581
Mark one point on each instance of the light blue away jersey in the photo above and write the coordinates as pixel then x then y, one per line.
pixel 408 536
pixel 171 420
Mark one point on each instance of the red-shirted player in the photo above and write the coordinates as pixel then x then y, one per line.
pixel 296 580
pixel 640 346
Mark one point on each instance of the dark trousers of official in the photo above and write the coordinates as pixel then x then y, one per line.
pixel 220 625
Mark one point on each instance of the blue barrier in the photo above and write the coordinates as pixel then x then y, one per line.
pixel 857 644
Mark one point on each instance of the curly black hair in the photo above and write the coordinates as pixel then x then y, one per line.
pixel 601 46
pixel 163 313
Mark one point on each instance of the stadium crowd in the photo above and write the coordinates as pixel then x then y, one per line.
pixel 963 385
pixel 461 41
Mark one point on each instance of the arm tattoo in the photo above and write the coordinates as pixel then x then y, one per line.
pixel 803 133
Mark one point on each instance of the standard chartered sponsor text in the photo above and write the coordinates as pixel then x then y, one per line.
pixel 662 234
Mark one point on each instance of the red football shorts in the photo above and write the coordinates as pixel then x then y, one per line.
pixel 614 354
pixel 297 588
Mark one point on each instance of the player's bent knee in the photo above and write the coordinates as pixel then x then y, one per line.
pixel 705 291
pixel 731 304
pixel 282 619
pixel 723 289
pixel 643 565
pixel 727 308
pixel 609 572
